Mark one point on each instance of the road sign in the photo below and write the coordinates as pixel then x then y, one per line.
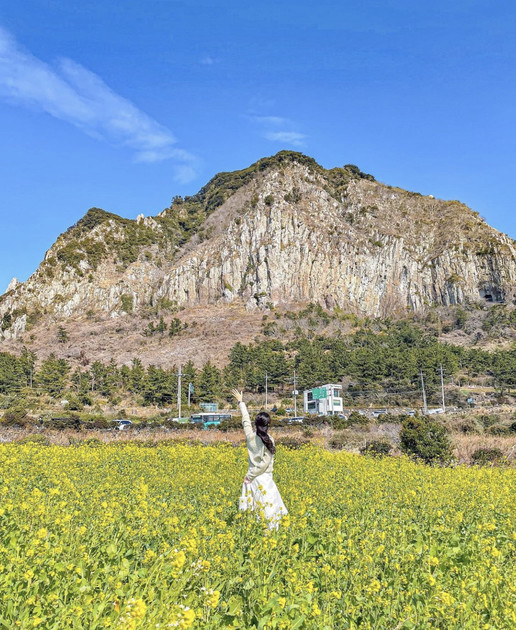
pixel 209 407
pixel 319 392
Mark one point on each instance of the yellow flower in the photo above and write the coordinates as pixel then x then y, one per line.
pixel 182 617
pixel 213 599
pixel 390 553
pixel 149 556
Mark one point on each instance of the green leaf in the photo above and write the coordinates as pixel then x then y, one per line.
pixel 111 550
pixel 235 604
pixel 298 622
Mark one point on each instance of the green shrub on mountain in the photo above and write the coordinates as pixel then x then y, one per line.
pixel 486 456
pixel 356 418
pixel 16 417
pixel 426 440
pixel 376 448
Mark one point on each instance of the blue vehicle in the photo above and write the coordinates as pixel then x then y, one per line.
pixel 210 419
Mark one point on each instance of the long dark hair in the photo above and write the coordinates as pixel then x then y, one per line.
pixel 263 422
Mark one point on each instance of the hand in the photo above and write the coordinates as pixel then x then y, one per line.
pixel 238 395
pixel 247 480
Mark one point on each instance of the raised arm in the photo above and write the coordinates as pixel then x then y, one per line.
pixel 246 420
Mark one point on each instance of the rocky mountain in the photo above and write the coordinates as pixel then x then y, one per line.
pixel 283 231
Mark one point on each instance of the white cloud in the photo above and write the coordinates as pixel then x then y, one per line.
pixel 277 128
pixel 76 95
pixel 184 174
pixel 208 60
pixel 287 137
pixel 271 121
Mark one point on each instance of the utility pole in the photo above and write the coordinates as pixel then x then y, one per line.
pixel 266 389
pixel 425 407
pixel 442 388
pixel 294 393
pixel 189 393
pixel 179 374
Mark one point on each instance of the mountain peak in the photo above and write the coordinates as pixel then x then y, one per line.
pixel 284 230
pixel 92 218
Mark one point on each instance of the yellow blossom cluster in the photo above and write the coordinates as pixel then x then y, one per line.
pixel 133 538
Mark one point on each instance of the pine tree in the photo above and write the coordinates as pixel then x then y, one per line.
pixel 136 377
pixel 12 373
pixel 98 373
pixel 150 330
pixel 52 375
pixel 125 376
pixel 113 378
pixel 161 327
pixel 237 372
pixel 27 362
pixel 62 335
pixel 158 386
pixel 209 383
pixel 175 327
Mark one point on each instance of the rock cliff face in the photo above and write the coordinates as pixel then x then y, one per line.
pixel 285 230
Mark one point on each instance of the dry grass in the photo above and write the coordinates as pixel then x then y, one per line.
pixel 466 445
pixel 352 440
pixel 212 332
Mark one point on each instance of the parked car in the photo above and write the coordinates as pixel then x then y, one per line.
pixel 379 412
pixel 122 424
pixel 297 419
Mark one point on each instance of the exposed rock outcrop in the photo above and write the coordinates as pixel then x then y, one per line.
pixel 283 231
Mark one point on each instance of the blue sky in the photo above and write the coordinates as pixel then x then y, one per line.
pixel 123 105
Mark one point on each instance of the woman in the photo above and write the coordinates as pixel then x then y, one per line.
pixel 259 492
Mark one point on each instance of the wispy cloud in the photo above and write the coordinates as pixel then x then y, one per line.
pixel 287 137
pixel 72 93
pixel 272 121
pixel 278 129
pixel 208 60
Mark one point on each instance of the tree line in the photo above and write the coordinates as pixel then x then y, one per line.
pixel 390 361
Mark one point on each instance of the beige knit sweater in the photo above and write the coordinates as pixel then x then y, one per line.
pixel 261 460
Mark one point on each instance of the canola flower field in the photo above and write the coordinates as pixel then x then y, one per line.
pixel 128 537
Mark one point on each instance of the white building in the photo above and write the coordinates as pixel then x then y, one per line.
pixel 325 400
